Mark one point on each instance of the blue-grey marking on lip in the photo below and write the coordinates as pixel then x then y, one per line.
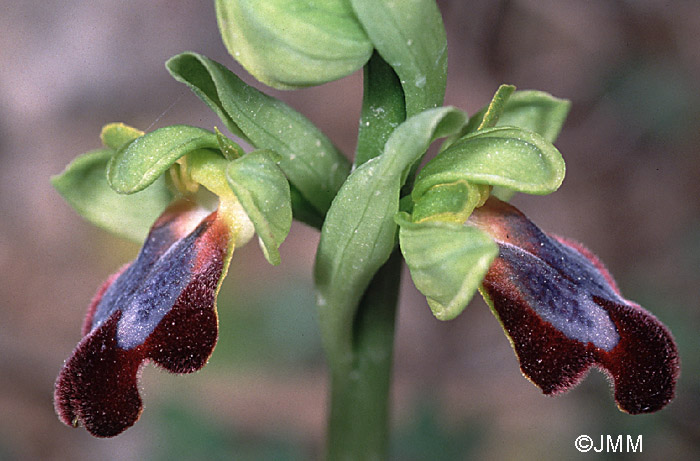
pixel 560 289
pixel 158 291
pixel 125 286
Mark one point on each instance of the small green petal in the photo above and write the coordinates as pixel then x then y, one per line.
pixel 536 111
pixel 530 110
pixel 451 202
pixel 497 107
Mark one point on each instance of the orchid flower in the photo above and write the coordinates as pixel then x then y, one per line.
pixel 162 306
pixel 558 305
pixel 563 313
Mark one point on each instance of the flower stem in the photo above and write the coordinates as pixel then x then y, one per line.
pixel 359 410
pixel 360 355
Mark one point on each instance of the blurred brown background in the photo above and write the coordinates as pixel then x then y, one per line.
pixel 631 194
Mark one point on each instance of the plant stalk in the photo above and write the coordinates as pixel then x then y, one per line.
pixel 359 408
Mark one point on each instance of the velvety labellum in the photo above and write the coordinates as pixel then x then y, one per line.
pixel 161 307
pixel 564 313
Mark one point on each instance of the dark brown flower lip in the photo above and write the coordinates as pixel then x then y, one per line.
pixel 160 308
pixel 563 313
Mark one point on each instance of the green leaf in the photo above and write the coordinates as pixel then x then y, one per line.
pixel 311 162
pixel 84 186
pixel 263 191
pixel 410 36
pixel 138 164
pixel 383 109
pixel 447 261
pixel 503 156
pixel 290 43
pixel 115 135
pixel 359 232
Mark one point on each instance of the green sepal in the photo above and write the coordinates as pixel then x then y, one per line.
pixel 115 135
pixel 138 164
pixel 359 232
pixel 502 156
pixel 309 159
pixel 263 191
pixel 83 184
pixel 410 36
pixel 229 149
pixel 535 111
pixel 447 261
pixel 290 44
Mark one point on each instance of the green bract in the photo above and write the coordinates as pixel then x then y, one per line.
pixel 263 191
pixel 359 232
pixel 447 262
pixel 84 186
pixel 139 163
pixel 314 166
pixel 293 43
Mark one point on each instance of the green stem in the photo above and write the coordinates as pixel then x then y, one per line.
pixel 359 414
pixel 360 354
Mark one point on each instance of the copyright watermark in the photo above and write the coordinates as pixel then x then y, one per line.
pixel 609 443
